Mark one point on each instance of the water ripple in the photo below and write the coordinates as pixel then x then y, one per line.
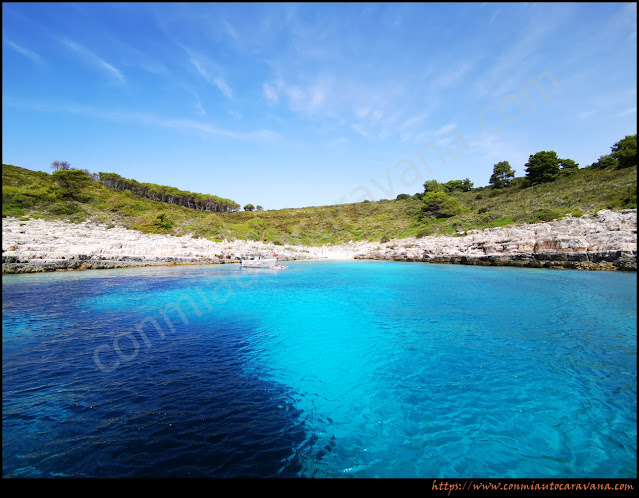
pixel 358 369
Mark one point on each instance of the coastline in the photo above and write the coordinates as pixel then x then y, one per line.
pixel 604 241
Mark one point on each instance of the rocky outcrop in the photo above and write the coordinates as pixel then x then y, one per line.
pixel 607 241
pixel 16 264
pixel 606 260
pixel 38 245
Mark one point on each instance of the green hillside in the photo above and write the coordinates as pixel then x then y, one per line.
pixel 33 194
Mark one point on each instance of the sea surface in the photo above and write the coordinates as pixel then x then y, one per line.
pixel 327 369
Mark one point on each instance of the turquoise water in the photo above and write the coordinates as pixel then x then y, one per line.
pixel 328 369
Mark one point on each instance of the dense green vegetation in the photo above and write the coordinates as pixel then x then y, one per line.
pixel 169 195
pixel 443 208
pixel 503 175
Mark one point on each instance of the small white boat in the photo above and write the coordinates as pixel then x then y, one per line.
pixel 261 262
pixel 257 262
pixel 278 267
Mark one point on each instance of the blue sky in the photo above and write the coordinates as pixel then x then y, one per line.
pixel 292 105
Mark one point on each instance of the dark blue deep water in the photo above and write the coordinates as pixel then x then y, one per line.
pixel 328 369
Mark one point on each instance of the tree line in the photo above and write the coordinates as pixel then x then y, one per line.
pixel 169 195
pixel 547 166
pixel 66 166
pixel 73 179
pixel 542 167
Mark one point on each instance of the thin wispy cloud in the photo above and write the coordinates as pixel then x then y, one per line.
pixel 270 92
pixel 93 59
pixel 338 103
pixel 508 72
pixel 24 51
pixel 445 129
pixel 585 114
pixel 360 129
pixel 493 148
pixel 606 103
pixel 609 105
pixel 624 20
pixel 199 68
pixel 337 142
pixel 409 123
pixel 494 16
pixel 230 30
pixel 154 67
pixel 506 80
pixel 439 136
pixel 200 109
pixel 152 119
pixel 362 112
pixel 407 128
pixel 449 78
pixel 206 128
pixel 224 87
pixel 309 99
pixel 209 71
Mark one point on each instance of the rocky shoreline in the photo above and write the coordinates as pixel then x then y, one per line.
pixel 605 241
pixel 13 264
pixel 608 260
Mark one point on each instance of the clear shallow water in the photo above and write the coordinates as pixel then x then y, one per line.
pixel 329 369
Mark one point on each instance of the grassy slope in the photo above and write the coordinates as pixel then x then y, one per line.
pixel 34 194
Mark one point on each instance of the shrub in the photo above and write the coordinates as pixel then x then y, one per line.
pixel 464 185
pixel 542 167
pixel 440 205
pixel 72 182
pixel 501 221
pixel 625 151
pixel 163 222
pixel 605 161
pixel 544 215
pixel 61 165
pixel 624 199
pixel 521 182
pixel 483 219
pixel 630 198
pixel 424 231
pixel 11 210
pixel 433 186
pixel 15 196
pixel 502 175
pixel 568 166
pixel 63 208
